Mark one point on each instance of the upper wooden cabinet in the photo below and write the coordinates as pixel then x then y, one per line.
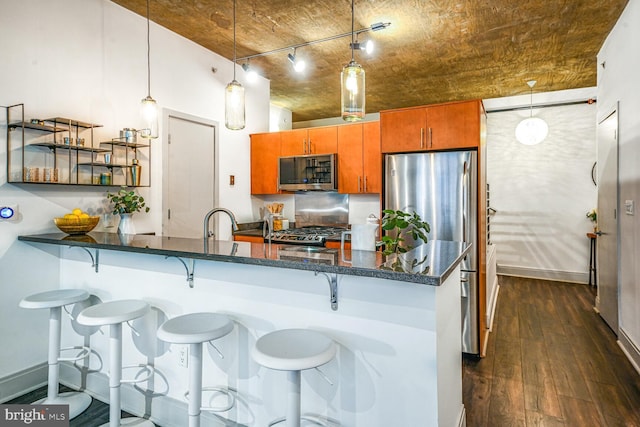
pixel 435 127
pixel 322 140
pixel 265 151
pixel 359 158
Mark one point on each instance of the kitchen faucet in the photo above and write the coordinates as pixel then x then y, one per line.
pixel 232 217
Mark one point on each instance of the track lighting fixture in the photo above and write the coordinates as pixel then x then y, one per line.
pixel 298 63
pixel 366 45
pixel 252 75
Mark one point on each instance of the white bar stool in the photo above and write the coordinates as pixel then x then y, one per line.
pixel 54 300
pixel 195 329
pixel 114 314
pixel 293 350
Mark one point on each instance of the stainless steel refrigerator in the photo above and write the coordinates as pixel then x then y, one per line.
pixel 442 188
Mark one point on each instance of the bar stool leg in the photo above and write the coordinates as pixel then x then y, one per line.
pixel 195 384
pixel 55 327
pixel 115 373
pixel 78 402
pixel 293 404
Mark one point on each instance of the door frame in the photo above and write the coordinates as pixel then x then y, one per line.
pixel 168 114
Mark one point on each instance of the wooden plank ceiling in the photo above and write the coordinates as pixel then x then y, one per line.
pixel 434 51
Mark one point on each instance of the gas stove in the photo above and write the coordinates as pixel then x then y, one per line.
pixel 310 236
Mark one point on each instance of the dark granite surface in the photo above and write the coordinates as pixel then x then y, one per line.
pixel 428 264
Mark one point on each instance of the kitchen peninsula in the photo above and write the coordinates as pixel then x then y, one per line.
pixel 396 322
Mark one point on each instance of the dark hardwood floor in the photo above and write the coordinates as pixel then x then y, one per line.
pixel 551 361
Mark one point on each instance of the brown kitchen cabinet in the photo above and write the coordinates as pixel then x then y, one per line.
pixel 265 151
pixel 359 158
pixel 251 239
pixel 332 244
pixel 435 127
pixel 321 140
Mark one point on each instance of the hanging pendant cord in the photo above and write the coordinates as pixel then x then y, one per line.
pixel 148 55
pixel 352 30
pixel 531 103
pixel 234 39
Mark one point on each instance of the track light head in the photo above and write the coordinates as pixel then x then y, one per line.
pixel 252 75
pixel 379 26
pixel 367 46
pixel 298 64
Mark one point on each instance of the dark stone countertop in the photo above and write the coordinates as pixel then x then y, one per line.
pixel 429 264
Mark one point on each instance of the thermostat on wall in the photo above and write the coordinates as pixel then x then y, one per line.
pixel 8 212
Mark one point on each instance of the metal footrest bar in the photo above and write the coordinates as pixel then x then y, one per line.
pixel 226 391
pixel 84 353
pixel 313 419
pixel 150 372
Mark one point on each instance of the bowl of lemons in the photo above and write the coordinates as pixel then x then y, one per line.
pixel 77 222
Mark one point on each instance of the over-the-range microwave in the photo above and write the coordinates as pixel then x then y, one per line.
pixel 310 172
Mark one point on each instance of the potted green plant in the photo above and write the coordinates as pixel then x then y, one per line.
pixel 593 216
pixel 402 225
pixel 125 203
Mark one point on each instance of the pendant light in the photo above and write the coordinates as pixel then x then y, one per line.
pixel 234 92
pixel 532 130
pixel 352 84
pixel 149 107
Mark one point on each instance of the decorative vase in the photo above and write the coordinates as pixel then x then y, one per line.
pixel 126 224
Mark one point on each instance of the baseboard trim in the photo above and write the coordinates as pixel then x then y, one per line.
pixel 536 273
pixel 23 382
pixel 157 407
pixel 493 301
pixel 629 349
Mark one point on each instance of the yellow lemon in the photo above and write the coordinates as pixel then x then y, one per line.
pixel 69 216
pixel 77 212
pixel 84 215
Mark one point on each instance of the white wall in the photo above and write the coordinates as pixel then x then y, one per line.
pixel 543 192
pixel 618 82
pixel 86 59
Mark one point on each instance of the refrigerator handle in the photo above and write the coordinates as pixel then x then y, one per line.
pixel 465 201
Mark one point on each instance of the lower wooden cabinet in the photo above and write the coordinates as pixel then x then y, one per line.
pixel 252 239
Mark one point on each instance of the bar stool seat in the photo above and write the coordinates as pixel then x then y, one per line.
pixel 54 300
pixel 293 350
pixel 114 314
pixel 195 329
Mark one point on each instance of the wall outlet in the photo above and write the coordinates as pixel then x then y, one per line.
pixel 183 356
pixel 629 207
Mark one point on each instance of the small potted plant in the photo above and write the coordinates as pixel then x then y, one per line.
pixel 404 224
pixel 593 216
pixel 125 203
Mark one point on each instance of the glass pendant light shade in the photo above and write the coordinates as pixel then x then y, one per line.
pixel 532 131
pixel 353 92
pixel 234 106
pixel 149 118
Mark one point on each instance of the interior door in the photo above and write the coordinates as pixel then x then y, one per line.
pixel 607 242
pixel 189 177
